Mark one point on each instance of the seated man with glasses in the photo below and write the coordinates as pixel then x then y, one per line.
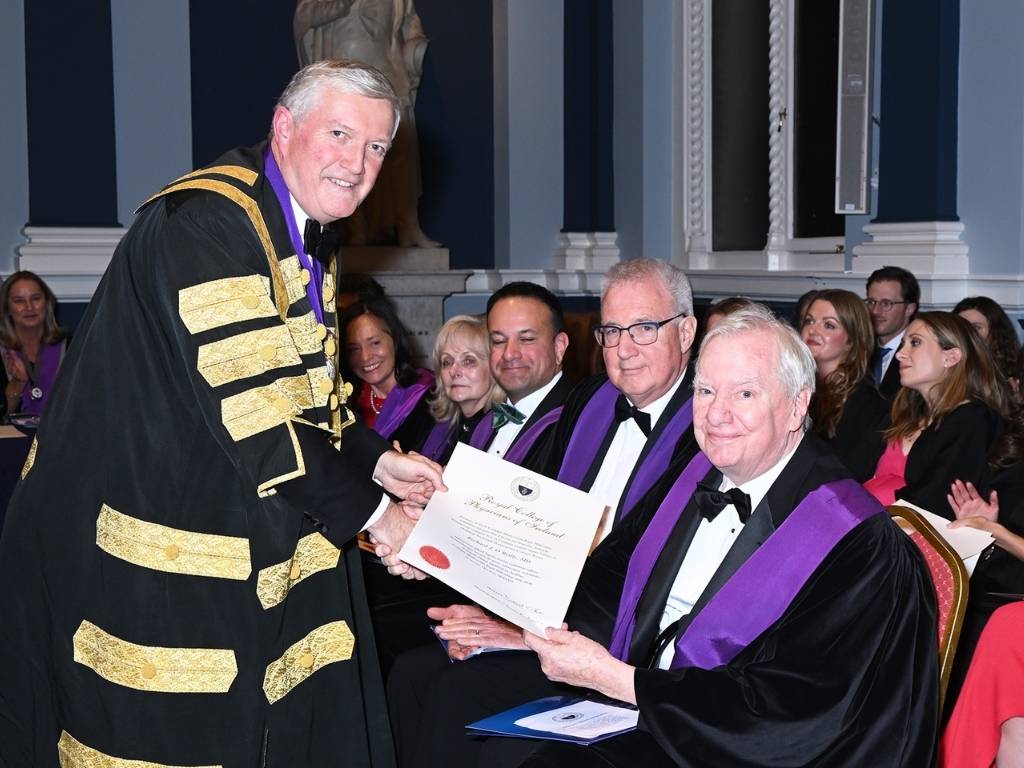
pixel 620 429
pixel 623 435
pixel 893 296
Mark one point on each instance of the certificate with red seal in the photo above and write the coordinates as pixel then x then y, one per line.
pixel 510 539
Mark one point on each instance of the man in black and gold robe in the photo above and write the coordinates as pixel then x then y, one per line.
pixel 179 583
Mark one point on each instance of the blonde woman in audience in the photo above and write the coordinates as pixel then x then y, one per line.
pixel 946 416
pixel 32 344
pixel 847 411
pixel 465 389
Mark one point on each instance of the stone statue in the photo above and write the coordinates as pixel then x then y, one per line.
pixel 388 35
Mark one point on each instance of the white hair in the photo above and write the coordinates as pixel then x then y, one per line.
pixel 303 92
pixel 636 270
pixel 795 365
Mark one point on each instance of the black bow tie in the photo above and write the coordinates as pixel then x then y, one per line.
pixel 319 242
pixel 711 501
pixel 503 413
pixel 626 410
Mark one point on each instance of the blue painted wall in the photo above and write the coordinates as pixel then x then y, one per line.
pixel 70 106
pixel 991 146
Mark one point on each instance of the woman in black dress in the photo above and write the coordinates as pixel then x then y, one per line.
pixel 847 410
pixel 946 416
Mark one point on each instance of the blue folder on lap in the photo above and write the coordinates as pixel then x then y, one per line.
pixel 573 719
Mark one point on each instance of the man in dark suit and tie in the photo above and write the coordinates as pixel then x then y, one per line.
pixel 892 299
pixel 528 342
pixel 766 612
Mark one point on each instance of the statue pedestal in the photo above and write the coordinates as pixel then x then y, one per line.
pixel 417 280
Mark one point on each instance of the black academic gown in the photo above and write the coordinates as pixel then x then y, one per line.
pixel 178 581
pixel 846 677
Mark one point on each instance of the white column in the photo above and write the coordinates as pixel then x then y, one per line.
pixel 152 98
pixel 778 197
pixel 528 126
pixel 697 71
pixel 14 147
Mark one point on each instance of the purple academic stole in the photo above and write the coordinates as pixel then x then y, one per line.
pixel 482 433
pixel 648 549
pixel 654 464
pixel 315 286
pixel 438 438
pixel 400 402
pixel 47 364
pixel 596 419
pixel 764 586
pixel 525 440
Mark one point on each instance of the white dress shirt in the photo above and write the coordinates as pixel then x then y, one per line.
pixel 892 345
pixel 622 456
pixel 504 437
pixel 711 543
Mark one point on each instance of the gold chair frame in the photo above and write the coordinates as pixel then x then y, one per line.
pixel 906 517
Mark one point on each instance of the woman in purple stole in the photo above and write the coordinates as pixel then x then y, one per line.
pixel 464 394
pixel 465 390
pixel 390 392
pixel 31 343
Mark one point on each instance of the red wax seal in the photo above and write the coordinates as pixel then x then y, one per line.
pixel 435 557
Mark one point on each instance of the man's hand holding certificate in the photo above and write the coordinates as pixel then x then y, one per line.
pixel 510 539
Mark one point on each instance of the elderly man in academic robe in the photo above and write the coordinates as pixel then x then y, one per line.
pixel 765 612
pixel 178 577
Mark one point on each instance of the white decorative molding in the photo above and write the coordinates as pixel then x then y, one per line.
pixel 926 248
pixel 70 259
pixel 587 251
pixel 778 54
pixel 567 282
pixel 697 70
pixel 785 285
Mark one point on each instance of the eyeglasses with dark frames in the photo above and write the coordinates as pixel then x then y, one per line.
pixel 884 304
pixel 641 333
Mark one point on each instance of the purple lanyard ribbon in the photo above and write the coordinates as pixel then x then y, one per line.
pixel 314 289
pixel 47 365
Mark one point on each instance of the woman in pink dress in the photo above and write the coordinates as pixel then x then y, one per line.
pixel 945 417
